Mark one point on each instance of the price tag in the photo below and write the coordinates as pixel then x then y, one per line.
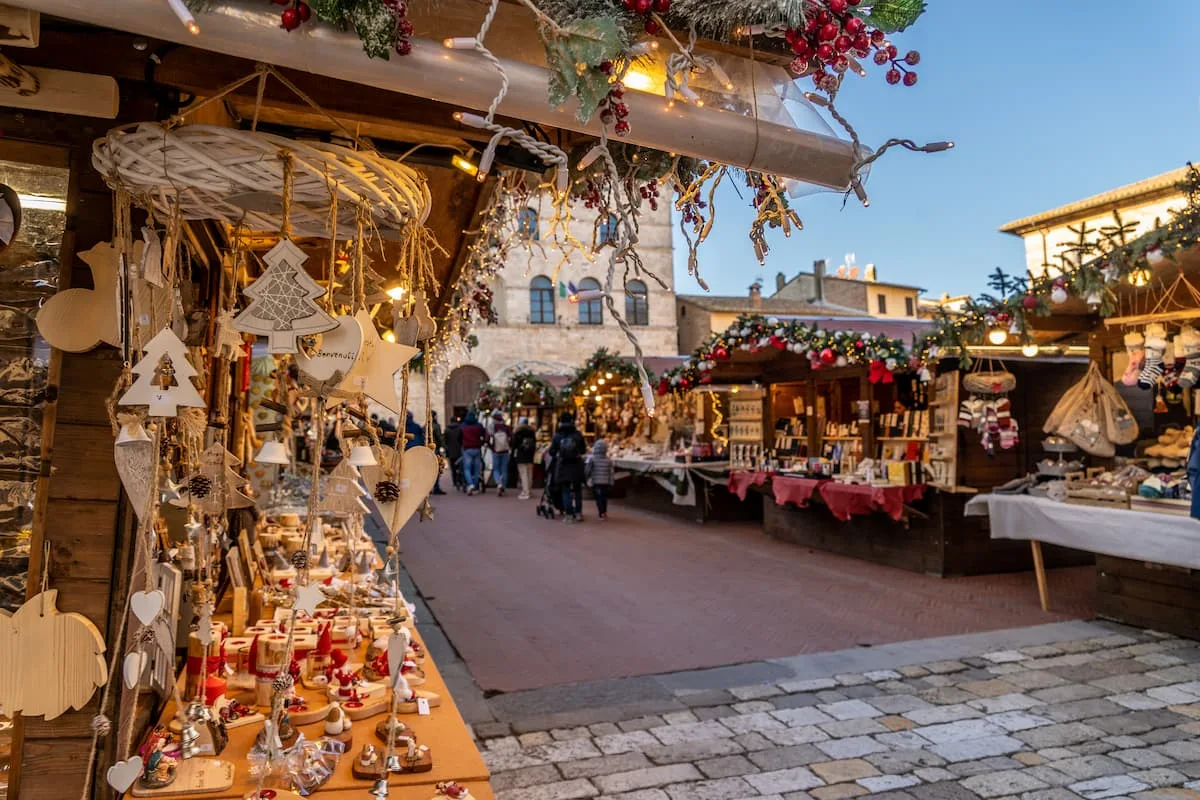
pixel 423 706
pixel 404 484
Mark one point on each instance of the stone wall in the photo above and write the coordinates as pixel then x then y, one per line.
pixel 514 344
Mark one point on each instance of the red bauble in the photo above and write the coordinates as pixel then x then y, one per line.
pixel 893 76
pixel 862 42
pixel 662 6
pixel 881 57
pixel 721 353
pixel 828 356
pixel 652 27
pixel 910 78
pixel 644 6
pixel 1029 302
pixel 860 345
pixel 290 19
pixel 877 36
pixel 801 47
pixel 854 26
pixel 824 17
pixel 791 36
pixel 622 127
pixel 630 5
pixel 912 58
pixel 825 52
pixel 838 6
pixel 684 383
pixel 892 51
pixel 842 43
pixel 706 378
pixel 304 11
pixel 778 343
pixel 828 32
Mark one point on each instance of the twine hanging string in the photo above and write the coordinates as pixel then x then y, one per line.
pixel 285 224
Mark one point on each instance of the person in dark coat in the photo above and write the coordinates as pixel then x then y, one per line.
pixel 524 447
pixel 568 450
pixel 414 433
pixel 473 438
pixel 454 453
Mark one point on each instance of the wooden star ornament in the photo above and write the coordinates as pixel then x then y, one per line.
pixel 308 598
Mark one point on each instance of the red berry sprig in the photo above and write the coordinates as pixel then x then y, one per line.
pixel 404 29
pixel 613 109
pixel 646 9
pixel 649 193
pixel 832 35
pixel 295 15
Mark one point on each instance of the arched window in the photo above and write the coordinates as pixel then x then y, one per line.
pixel 606 233
pixel 637 303
pixel 590 311
pixel 527 224
pixel 541 301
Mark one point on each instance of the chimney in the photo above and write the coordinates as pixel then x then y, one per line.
pixel 870 276
pixel 756 294
pixel 819 281
pixel 780 282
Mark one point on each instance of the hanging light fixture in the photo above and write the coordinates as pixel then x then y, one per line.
pixel 1030 350
pixel 1139 277
pixel 362 456
pixel 997 335
pixel 272 452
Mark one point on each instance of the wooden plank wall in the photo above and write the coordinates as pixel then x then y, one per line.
pixel 1148 595
pixel 85 514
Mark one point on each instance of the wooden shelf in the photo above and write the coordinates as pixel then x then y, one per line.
pixel 901 438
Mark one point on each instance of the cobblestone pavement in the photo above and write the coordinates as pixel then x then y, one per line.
pixel 1113 716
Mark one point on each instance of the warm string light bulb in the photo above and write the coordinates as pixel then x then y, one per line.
pixel 997 336
pixel 1030 350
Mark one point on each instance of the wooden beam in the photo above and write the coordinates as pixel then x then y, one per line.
pixel 65 92
pixel 1162 316
pixel 1064 323
pixel 462 248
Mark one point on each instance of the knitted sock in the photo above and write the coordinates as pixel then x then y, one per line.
pixel 1153 370
pixel 1190 375
pixel 1137 357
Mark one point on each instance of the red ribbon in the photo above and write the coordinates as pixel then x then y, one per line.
pixel 214 666
pixel 879 373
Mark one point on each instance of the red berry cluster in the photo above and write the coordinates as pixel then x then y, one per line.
pixel 612 107
pixel 832 34
pixel 643 8
pixel 590 194
pixel 404 29
pixel 295 15
pixel 649 193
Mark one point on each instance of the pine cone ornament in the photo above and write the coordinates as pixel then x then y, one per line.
pixel 101 725
pixel 387 491
pixel 300 559
pixel 199 486
pixel 283 681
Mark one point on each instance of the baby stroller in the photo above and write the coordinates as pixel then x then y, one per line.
pixel 548 504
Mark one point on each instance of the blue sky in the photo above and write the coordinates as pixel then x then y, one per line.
pixel 1047 101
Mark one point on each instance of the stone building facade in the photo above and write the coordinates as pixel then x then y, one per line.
pixel 540 331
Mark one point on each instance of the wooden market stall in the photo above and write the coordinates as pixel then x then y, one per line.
pixel 806 427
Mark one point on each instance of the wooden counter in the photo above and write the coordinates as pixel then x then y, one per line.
pixel 455 757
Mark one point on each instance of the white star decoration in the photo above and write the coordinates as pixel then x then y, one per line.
pixel 308 598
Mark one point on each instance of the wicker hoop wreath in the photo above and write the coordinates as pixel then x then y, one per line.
pixel 237 177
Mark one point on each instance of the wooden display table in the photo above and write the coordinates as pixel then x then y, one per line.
pixel 455 757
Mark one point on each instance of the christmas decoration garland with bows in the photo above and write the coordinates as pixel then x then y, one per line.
pixel 602 364
pixel 884 355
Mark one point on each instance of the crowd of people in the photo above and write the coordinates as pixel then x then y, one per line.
pixel 568 464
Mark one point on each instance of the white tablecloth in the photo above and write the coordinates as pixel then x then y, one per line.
pixel 1137 535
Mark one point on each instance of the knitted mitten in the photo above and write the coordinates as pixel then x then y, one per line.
pixel 1137 357
pixel 1153 369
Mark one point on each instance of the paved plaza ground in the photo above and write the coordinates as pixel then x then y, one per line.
pixel 649 659
pixel 529 602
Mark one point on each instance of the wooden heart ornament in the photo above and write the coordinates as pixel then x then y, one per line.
pixel 400 500
pixel 147 605
pixel 49 661
pixel 135 664
pixel 122 774
pixel 76 320
pixel 336 350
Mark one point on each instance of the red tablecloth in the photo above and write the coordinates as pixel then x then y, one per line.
pixel 794 490
pixel 740 482
pixel 846 499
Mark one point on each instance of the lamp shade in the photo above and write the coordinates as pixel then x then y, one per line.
pixel 362 456
pixel 272 453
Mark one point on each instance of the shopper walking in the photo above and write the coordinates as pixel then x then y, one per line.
pixel 524 447
pixel 600 476
pixel 500 442
pixel 454 453
pixel 473 436
pixel 414 434
pixel 568 450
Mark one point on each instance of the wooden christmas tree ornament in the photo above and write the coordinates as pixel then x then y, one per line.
pixel 341 492
pixel 163 378
pixel 76 320
pixel 284 301
pixel 49 661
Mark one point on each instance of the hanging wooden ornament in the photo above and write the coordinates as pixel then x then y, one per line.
pixel 368 363
pixel 122 774
pixel 49 661
pixel 284 301
pixel 341 492
pixel 419 326
pixel 135 466
pixel 399 496
pixel 215 487
pixel 135 664
pixel 227 343
pixel 76 320
pixel 163 378
pixel 146 606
